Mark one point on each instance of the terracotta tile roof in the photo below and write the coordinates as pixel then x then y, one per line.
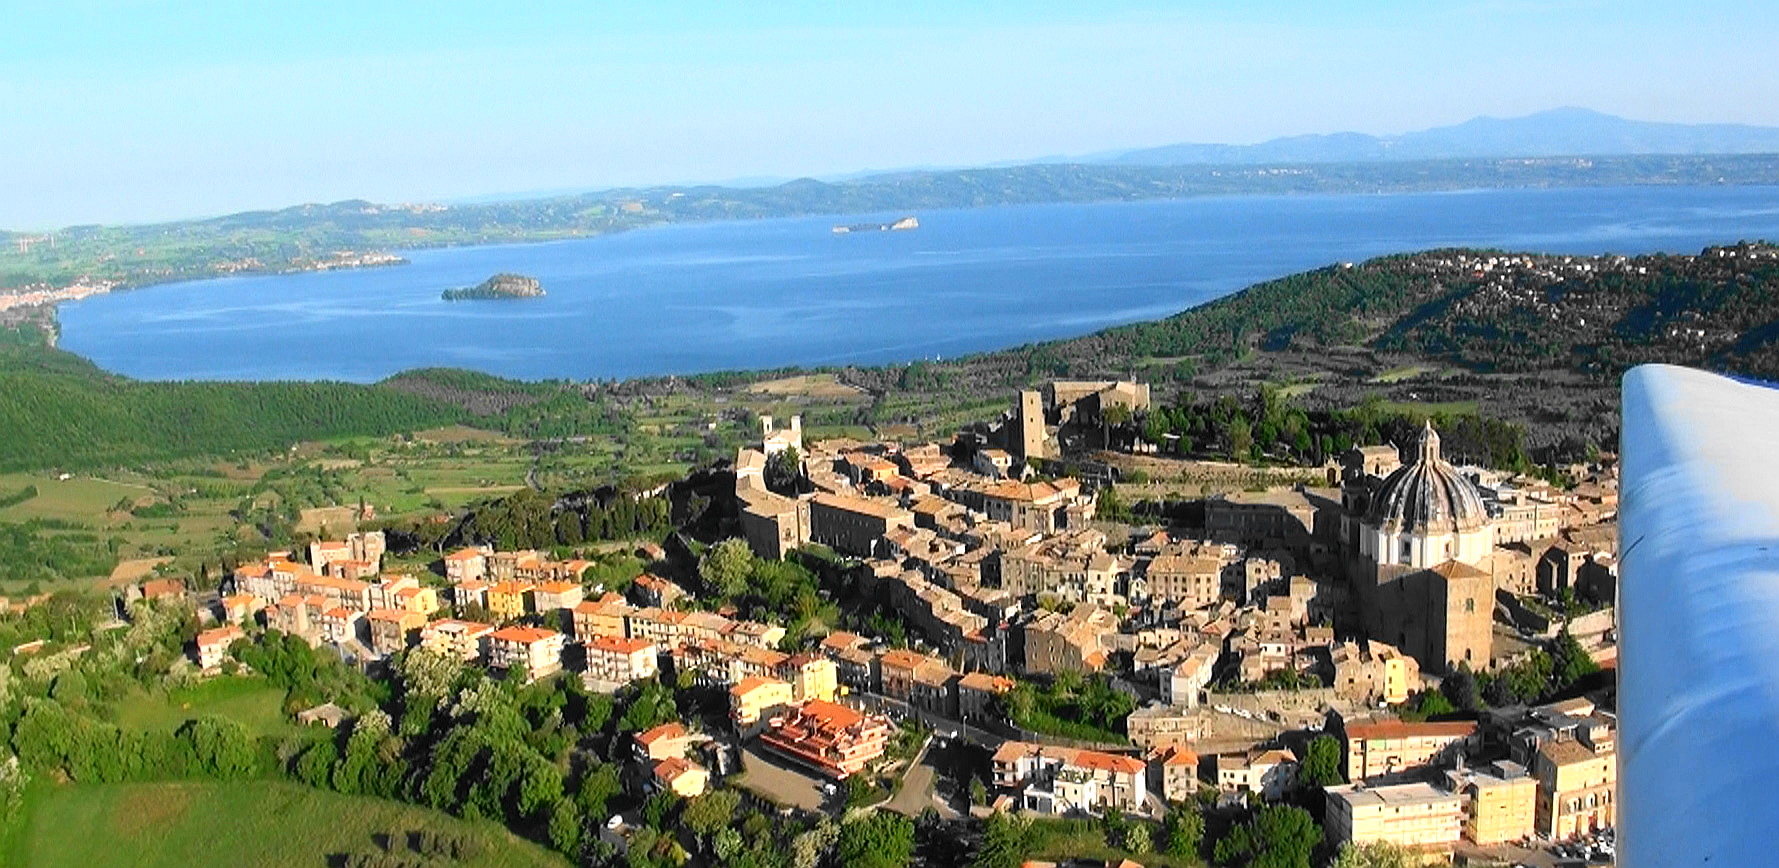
pixel 671 729
pixel 670 769
pixel 617 645
pixel 857 505
pixel 1111 762
pixel 985 682
pixel 752 683
pixel 840 640
pixel 526 635
pixel 1566 752
pixel 902 658
pixel 1404 729
pixel 220 636
pixel 829 715
pixel 1458 570
pixel 453 625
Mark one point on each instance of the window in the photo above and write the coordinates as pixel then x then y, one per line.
pixel 1469 605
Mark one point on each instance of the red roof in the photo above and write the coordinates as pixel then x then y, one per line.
pixel 1404 729
pixel 525 635
pixel 617 645
pixel 671 729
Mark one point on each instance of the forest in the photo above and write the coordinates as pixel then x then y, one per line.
pixel 60 411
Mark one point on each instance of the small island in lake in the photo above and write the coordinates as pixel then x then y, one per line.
pixel 498 286
pixel 901 225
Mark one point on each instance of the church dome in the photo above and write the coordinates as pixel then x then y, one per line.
pixel 1428 496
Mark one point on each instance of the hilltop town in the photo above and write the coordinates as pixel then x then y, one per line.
pixel 1399 645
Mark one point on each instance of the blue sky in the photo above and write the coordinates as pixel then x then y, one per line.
pixel 138 110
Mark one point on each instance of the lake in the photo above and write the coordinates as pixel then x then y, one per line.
pixel 770 293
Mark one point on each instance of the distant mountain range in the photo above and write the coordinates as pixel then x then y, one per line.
pixel 1562 132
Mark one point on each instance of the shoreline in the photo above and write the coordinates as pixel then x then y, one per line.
pixel 869 198
pixel 369 373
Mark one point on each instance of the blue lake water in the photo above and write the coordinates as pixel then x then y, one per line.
pixel 769 293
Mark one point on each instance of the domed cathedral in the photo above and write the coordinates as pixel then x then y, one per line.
pixel 1420 545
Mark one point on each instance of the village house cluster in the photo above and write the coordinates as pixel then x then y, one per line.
pixel 1291 610
pixel 1552 773
pixel 1004 573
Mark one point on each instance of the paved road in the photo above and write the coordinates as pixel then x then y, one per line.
pixel 884 704
pixel 916 794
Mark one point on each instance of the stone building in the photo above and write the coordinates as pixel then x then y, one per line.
pixel 772 523
pixel 853 525
pixel 1422 565
pixel 1577 783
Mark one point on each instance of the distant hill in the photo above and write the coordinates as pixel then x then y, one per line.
pixel 1533 338
pixel 1553 133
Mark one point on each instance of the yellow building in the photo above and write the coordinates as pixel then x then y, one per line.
pixel 534 651
pixel 684 778
pixel 506 600
pixel 754 697
pixel 1500 803
pixel 601 617
pixel 1418 816
pixel 467 640
pixel 1577 782
pixel 811 677
pixel 1389 746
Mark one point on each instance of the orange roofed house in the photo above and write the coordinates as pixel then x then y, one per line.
pixel 393 629
pixel 832 739
pixel 552 596
pixel 661 742
pixel 613 662
pixel 1059 780
pixel 1390 746
pixel 602 617
pixel 163 589
pixel 507 600
pixel 213 645
pixel 655 591
pixel 405 593
pixel 756 696
pixel 533 650
pixel 683 777
pixel 465 565
pixel 340 624
pixel 1176 768
pixel 467 640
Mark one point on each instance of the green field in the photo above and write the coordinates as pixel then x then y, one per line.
pixel 257 705
pixel 82 498
pixel 240 824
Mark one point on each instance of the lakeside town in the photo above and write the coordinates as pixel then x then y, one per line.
pixel 1264 645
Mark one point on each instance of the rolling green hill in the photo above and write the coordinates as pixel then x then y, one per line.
pixel 245 824
pixel 58 410
pixel 1533 338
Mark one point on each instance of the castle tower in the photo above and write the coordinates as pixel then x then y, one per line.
pixel 1031 425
